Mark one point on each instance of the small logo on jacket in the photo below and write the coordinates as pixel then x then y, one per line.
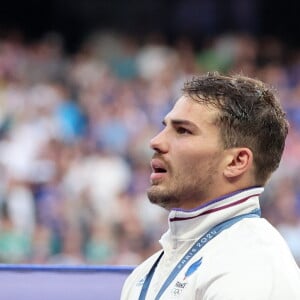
pixel 141 282
pixel 180 286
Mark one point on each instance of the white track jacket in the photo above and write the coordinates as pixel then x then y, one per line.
pixel 247 260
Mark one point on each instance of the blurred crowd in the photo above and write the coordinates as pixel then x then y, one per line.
pixel 74 140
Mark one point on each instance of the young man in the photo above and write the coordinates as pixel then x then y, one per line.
pixel 220 143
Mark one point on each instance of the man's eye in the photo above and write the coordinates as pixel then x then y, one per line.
pixel 182 130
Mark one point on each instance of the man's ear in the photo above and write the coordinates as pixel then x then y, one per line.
pixel 238 162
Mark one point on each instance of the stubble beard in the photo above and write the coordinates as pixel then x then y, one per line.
pixel 182 190
pixel 165 198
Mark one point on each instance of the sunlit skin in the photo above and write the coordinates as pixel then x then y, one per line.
pixel 190 165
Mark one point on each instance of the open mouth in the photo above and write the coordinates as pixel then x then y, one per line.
pixel 159 170
pixel 158 166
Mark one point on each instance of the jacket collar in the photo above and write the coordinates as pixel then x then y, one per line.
pixel 189 225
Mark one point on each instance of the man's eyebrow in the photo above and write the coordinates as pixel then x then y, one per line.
pixel 177 122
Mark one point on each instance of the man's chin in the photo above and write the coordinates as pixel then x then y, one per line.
pixel 160 197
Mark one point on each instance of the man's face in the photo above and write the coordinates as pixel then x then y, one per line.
pixel 187 163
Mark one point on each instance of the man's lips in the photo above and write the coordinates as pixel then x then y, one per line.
pixel 158 166
pixel 159 169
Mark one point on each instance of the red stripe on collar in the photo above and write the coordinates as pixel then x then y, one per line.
pixel 212 210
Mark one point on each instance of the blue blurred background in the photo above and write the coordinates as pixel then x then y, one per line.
pixel 84 85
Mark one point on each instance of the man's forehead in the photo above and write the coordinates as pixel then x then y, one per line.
pixel 189 109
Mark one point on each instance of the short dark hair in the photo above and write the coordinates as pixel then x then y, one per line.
pixel 250 116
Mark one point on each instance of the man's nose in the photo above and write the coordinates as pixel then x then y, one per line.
pixel 158 143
